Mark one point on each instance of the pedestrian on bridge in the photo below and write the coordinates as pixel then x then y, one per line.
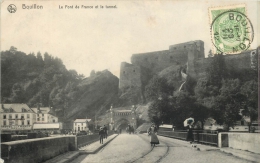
pixel 105 131
pixel 101 135
pixel 152 132
pixel 190 134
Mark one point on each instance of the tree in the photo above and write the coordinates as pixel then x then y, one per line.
pixel 158 88
pixel 210 54
pixel 13 49
pixel 217 71
pixel 17 95
pixel 250 103
pixel 228 103
pixel 92 73
pixel 159 92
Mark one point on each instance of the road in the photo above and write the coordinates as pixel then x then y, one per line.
pixel 136 149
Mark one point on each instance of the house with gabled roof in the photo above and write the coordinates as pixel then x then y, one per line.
pixel 45 115
pixel 81 125
pixel 16 117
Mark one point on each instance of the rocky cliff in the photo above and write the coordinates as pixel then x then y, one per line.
pixel 99 91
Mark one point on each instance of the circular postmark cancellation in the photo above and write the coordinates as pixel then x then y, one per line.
pixel 232 32
pixel 12 8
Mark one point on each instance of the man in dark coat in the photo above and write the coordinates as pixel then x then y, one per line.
pixel 105 132
pixel 101 135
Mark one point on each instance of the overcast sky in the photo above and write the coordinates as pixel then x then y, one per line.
pixel 98 39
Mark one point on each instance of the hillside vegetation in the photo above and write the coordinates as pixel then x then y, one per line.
pixel 43 80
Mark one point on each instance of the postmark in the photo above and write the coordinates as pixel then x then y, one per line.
pixel 231 30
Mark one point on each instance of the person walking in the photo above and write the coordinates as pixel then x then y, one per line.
pixel 101 135
pixel 105 132
pixel 129 129
pixel 190 134
pixel 152 132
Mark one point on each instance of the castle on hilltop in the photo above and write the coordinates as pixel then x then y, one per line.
pixel 190 56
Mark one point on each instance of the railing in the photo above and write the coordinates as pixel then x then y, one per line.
pixel 178 135
pixel 87 139
pixel 205 138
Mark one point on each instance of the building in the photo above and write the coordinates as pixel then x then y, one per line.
pixel 16 118
pixel 81 125
pixel 47 126
pixel 166 127
pixel 45 115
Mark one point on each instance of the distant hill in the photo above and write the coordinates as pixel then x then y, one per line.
pixel 44 81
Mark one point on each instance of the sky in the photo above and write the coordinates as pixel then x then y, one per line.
pixel 99 39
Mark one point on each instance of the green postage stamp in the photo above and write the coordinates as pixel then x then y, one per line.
pixel 231 30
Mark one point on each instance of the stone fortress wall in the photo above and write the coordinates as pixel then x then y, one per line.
pixel 130 75
pixel 190 54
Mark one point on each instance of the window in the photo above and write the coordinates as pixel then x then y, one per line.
pixel 4 116
pixel 28 115
pixel 42 119
pixel 242 123
pixel 53 120
pixel 43 115
pixel 4 123
pixel 38 119
pixel 22 116
pixel 28 122
pixel 11 122
pixel 81 124
pixel 10 116
pixel 38 115
pixel 16 116
pixel 16 122
pixel 133 70
pixel 22 122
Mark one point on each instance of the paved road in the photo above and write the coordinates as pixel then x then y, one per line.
pixel 136 148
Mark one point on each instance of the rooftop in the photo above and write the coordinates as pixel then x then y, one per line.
pixel 81 120
pixel 15 108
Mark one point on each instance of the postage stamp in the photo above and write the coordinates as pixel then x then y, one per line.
pixel 231 30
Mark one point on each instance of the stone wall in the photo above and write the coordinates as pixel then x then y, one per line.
pixel 189 54
pixel 130 75
pixel 242 141
pixel 36 150
pixel 154 62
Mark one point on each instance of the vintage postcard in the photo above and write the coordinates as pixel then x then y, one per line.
pixel 129 81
